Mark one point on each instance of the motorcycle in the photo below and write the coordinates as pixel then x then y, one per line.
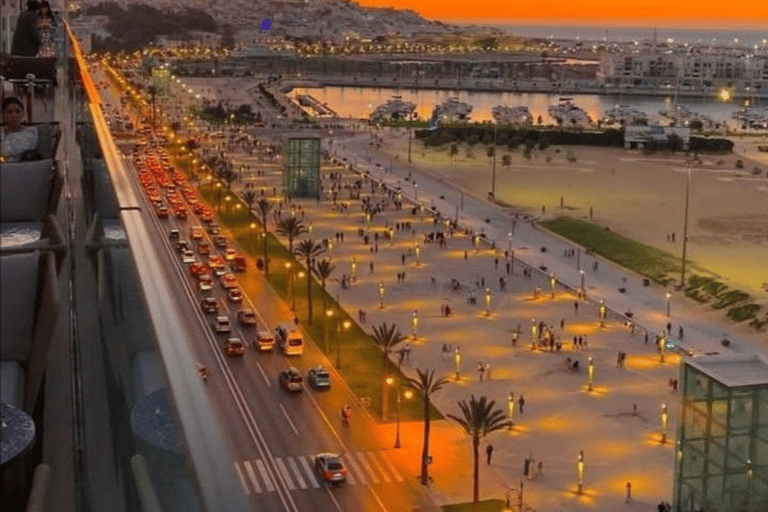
pixel 202 371
pixel 346 413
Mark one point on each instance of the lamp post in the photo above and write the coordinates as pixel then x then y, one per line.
pixel 347 324
pixel 457 361
pixel 227 200
pixel 487 302
pixel 669 296
pixel 328 315
pixel 590 374
pixel 509 243
pixel 385 399
pixel 354 269
pixel 415 191
pixel 476 242
pixel 289 276
pixel 552 283
pixel 664 417
pixel 418 255
pixel 415 323
pixel 218 202
pixel 582 283
pixel 511 408
pixel 580 471
pixel 391 236
pixel 253 236
pixel 381 294
pixel 662 346
pixel 602 311
pixel 750 470
pixel 408 395
pixel 534 333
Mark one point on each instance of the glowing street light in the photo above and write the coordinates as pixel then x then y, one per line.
pixel 583 294
pixel 328 315
pixel 381 294
pixel 415 323
pixel 590 374
pixel 552 283
pixel 664 418
pixel 602 310
pixel 408 394
pixel 662 346
pixel 580 471
pixel 290 281
pixel 509 242
pixel 669 296
pixel 253 237
pixel 457 361
pixel 385 399
pixel 534 333
pixel 418 255
pixel 511 408
pixel 487 302
pixel 354 269
pixel 347 324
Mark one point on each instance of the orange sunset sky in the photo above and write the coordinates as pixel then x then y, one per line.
pixel 682 13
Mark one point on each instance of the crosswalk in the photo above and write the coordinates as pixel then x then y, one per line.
pixel 298 472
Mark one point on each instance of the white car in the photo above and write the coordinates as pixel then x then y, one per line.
pixel 188 256
pixel 222 325
pixel 205 283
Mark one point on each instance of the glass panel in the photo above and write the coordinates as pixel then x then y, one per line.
pixel 760 449
pixel 762 407
pixel 718 390
pixel 696 385
pixel 714 492
pixel 695 424
pixel 738 452
pixel 716 456
pixel 719 417
pixel 693 460
pixel 741 412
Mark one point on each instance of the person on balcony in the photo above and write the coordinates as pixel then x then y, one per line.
pixel 26 39
pixel 19 141
pixel 46 29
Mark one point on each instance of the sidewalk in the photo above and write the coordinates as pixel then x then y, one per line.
pixel 560 418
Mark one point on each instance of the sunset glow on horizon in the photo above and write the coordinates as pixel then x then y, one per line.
pixel 590 12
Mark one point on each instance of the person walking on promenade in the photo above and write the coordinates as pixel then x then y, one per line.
pixel 489 452
pixel 629 492
pixel 575 307
pixel 669 328
pixel 521 403
pixel 680 332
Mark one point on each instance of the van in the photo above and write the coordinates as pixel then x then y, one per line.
pixel 290 339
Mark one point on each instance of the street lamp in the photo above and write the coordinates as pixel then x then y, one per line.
pixel 511 408
pixel 218 204
pixel 509 242
pixel 582 283
pixel 534 333
pixel 354 269
pixel 408 395
pixel 415 323
pixel 590 374
pixel 476 242
pixel 328 315
pixel 662 346
pixel 580 471
pixel 457 361
pixel 253 236
pixel 602 311
pixel 347 324
pixel 289 275
pixel 552 283
pixel 669 296
pixel 487 302
pixel 385 399
pixel 418 255
pixel 381 294
pixel 664 423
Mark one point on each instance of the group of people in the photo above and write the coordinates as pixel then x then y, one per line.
pixel 35 31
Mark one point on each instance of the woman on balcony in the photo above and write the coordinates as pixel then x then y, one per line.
pixel 19 141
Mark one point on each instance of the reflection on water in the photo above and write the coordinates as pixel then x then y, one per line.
pixel 359 102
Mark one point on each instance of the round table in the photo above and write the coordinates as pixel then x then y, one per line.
pixel 17 434
pixel 152 420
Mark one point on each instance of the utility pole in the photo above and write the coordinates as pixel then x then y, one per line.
pixel 685 224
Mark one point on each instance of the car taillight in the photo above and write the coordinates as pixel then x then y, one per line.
pixel 328 475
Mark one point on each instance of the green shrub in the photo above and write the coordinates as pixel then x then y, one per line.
pixel 730 298
pixel 714 288
pixel 744 312
pixel 697 295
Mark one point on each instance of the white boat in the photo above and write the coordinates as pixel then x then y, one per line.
pixel 752 117
pixel 626 115
pixel 512 115
pixel 394 108
pixel 681 116
pixel 568 114
pixel 453 110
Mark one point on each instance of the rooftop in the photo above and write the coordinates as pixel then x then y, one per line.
pixel 734 370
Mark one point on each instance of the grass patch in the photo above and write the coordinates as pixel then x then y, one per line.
pixel 360 357
pixel 744 312
pixel 641 258
pixel 730 298
pixel 482 506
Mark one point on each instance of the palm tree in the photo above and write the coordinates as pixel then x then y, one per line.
pixel 387 337
pixel 309 250
pixel 427 385
pixel 264 207
pixel 479 418
pixel 323 270
pixel 249 196
pixel 290 227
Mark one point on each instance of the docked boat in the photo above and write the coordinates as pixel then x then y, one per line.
pixel 565 113
pixel 625 115
pixel 512 115
pixel 453 110
pixel 751 117
pixel 681 116
pixel 395 108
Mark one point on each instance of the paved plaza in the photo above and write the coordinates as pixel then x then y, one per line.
pixel 560 417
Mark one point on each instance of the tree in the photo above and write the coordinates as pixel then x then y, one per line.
pixel 309 250
pixel 387 337
pixel 323 270
pixel 478 419
pixel 490 151
pixel 506 160
pixel 249 196
pixel 427 385
pixel 264 208
pixel 290 227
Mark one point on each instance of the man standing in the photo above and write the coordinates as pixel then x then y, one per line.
pixel 26 40
pixel 521 403
pixel 489 452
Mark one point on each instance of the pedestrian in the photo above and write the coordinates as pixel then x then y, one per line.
pixel 646 337
pixel 629 492
pixel 521 403
pixel 576 307
pixel 634 409
pixel 26 39
pixel 540 470
pixel 489 452
pixel 669 328
pixel 618 360
pixel 575 342
pixel 481 370
pixel 402 259
pixel 496 263
pixel 674 385
pixel 584 341
pixel 680 332
pixel 465 255
pixel 594 266
pixel 371 267
pixel 562 323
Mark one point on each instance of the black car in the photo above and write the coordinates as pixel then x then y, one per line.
pixel 209 305
pixel 220 242
pixel 174 234
pixel 291 380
